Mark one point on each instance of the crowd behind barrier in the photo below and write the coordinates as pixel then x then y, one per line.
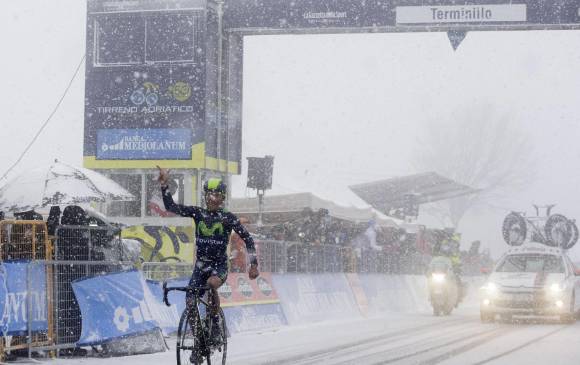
pixel 297 257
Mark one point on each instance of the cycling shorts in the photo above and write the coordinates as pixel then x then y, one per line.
pixel 204 270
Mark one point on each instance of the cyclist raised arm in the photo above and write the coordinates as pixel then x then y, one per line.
pixel 213 227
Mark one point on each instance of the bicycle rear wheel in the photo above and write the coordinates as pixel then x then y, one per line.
pixel 187 341
pixel 218 351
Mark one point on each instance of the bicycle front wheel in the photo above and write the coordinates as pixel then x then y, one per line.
pixel 218 349
pixel 187 348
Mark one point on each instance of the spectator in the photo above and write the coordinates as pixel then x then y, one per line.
pixel 73 215
pixel 29 215
pixel 53 220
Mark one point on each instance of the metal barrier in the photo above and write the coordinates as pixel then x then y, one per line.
pixel 67 311
pixel 272 256
pixel 281 257
pixel 58 302
pixel 88 243
pixel 67 328
pixel 318 258
pixel 24 240
pixel 80 251
pixel 162 271
pixel 28 240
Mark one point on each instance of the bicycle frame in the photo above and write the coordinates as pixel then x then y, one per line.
pixel 192 315
pixel 191 308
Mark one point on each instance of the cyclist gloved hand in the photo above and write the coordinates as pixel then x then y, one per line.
pixel 253 273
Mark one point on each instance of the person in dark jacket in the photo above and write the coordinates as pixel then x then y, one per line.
pixel 53 220
pixel 213 227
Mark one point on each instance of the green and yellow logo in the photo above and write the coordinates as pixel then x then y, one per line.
pixel 203 230
pixel 180 91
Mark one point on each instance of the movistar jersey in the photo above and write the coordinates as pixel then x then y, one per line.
pixel 212 230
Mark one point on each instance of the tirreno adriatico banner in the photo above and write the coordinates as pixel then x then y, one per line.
pixel 137 112
pixel 151 87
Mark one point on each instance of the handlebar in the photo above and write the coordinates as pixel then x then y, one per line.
pixel 186 289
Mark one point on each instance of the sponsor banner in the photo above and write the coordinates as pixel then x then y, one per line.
pixel 237 290
pixel 144 144
pixel 22 286
pixel 245 314
pixel 358 292
pixel 305 14
pixel 240 290
pixel 159 243
pixel 113 306
pixel 436 14
pixel 312 298
pixel 254 317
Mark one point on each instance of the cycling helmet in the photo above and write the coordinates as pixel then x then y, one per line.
pixel 215 185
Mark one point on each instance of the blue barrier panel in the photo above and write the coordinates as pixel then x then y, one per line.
pixel 22 286
pixel 168 317
pixel 113 306
pixel 309 298
pixel 254 317
pixel 239 318
pixel 395 293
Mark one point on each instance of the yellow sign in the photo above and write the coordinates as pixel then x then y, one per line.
pixel 180 91
pixel 163 243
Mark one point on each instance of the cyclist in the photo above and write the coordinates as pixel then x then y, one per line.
pixel 213 228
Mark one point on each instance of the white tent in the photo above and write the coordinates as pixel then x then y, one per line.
pixel 282 207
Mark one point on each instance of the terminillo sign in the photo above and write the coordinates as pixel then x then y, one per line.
pixel 461 14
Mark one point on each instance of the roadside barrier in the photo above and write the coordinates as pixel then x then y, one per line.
pixel 37 292
pixel 307 298
pixel 27 303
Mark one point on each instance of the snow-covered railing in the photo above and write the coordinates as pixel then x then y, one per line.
pixel 282 257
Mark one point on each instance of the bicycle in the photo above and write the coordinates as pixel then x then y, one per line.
pixel 193 334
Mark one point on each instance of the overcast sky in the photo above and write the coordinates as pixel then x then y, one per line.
pixel 334 110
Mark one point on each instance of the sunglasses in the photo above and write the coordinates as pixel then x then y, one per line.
pixel 216 193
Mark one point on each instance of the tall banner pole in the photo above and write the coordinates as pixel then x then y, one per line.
pixel 260 206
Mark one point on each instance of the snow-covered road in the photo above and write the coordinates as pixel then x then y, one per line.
pixel 418 338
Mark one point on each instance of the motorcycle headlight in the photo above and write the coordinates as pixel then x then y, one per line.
pixel 438 277
pixel 557 288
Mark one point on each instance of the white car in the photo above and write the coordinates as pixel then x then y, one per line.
pixel 532 279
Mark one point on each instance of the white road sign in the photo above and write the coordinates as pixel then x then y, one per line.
pixel 461 14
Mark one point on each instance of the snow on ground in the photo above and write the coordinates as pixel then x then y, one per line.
pixel 396 338
pixel 417 337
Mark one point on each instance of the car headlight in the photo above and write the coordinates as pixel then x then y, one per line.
pixel 490 288
pixel 438 277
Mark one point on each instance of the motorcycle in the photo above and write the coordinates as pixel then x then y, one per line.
pixel 444 288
